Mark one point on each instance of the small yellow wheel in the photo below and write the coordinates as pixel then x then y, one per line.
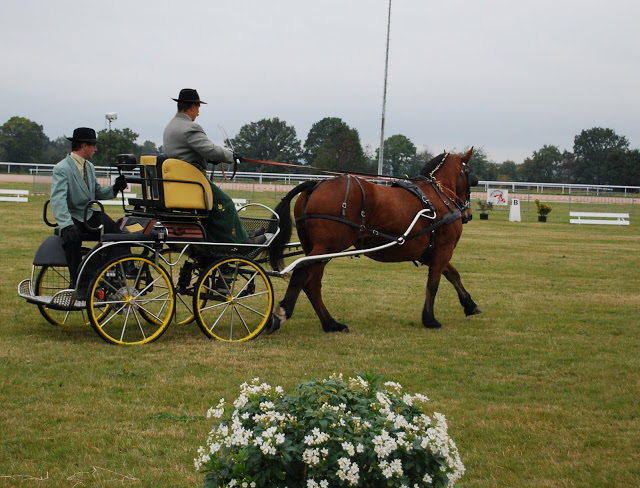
pixel 233 300
pixel 51 280
pixel 138 298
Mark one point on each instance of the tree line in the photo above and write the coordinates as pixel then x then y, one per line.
pixel 599 156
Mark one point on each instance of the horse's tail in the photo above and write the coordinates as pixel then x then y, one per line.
pixel 283 209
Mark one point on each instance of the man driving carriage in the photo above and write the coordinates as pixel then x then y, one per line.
pixel 74 184
pixel 185 140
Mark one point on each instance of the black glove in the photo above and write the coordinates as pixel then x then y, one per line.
pixel 70 235
pixel 120 184
pixel 237 157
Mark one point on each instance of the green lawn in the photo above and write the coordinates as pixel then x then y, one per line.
pixel 541 390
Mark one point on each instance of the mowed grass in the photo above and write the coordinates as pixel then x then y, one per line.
pixel 541 390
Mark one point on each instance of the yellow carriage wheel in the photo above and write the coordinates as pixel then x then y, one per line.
pixel 233 300
pixel 131 301
pixel 51 280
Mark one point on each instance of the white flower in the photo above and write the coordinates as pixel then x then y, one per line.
pixel 218 411
pixel 316 437
pixel 384 444
pixel 394 385
pixel 389 469
pixel 348 471
pixel 241 401
pixel 348 448
pixel 311 456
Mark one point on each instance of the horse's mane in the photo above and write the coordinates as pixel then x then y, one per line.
pixel 431 165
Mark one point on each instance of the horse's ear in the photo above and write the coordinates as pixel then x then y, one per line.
pixel 467 157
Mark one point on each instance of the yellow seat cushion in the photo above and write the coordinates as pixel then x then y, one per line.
pixel 194 194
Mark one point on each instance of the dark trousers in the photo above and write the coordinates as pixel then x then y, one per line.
pixel 73 251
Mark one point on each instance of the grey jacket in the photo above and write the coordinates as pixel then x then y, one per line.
pixel 69 192
pixel 184 139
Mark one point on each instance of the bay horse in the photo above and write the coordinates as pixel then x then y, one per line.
pixel 347 211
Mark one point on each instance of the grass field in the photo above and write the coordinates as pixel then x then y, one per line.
pixel 541 390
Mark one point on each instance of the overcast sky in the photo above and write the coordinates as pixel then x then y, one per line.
pixel 507 75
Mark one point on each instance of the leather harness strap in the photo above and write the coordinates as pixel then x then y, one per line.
pixel 451 216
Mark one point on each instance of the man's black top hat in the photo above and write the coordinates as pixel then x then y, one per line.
pixel 84 134
pixel 188 95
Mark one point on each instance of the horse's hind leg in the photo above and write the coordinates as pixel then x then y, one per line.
pixel 313 290
pixel 285 308
pixel 309 279
pixel 433 282
pixel 452 275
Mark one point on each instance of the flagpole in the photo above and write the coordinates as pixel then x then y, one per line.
pixel 384 95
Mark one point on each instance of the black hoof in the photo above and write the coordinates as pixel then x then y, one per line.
pixel 335 327
pixel 433 325
pixel 275 325
pixel 474 311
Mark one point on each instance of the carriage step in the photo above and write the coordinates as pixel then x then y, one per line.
pixel 24 289
pixel 63 300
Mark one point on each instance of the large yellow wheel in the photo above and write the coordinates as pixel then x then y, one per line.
pixel 233 300
pixel 131 301
pixel 184 272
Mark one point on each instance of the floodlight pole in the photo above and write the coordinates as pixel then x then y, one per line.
pixel 384 94
pixel 110 116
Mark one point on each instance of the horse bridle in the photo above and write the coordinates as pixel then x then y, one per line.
pixel 462 206
pixel 467 203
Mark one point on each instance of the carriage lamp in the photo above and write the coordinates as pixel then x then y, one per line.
pixel 159 232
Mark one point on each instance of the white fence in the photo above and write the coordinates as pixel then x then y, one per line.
pixel 627 196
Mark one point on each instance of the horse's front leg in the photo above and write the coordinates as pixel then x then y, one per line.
pixel 433 282
pixel 452 275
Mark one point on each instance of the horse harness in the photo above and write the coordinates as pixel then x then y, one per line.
pixel 408 185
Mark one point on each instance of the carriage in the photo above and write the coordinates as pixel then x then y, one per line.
pixel 161 268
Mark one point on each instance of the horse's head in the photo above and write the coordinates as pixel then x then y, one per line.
pixel 456 177
pixel 466 180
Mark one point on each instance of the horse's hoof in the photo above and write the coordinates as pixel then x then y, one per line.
pixel 335 327
pixel 275 325
pixel 474 311
pixel 433 325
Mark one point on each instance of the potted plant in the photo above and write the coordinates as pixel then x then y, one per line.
pixel 484 207
pixel 328 432
pixel 543 210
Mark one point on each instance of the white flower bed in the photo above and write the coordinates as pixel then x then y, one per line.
pixel 328 433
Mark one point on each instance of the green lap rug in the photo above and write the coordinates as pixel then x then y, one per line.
pixel 223 223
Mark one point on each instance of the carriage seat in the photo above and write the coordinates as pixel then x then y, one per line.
pixel 185 187
pixel 173 184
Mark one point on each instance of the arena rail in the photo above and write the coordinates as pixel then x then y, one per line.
pixel 14 195
pixel 599 218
